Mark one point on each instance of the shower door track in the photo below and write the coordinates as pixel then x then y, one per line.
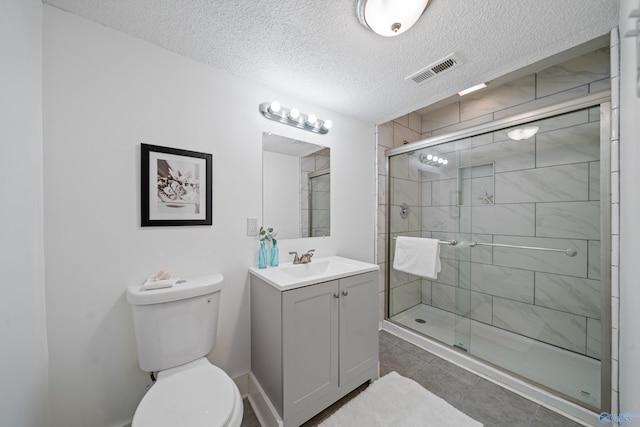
pixel 536 392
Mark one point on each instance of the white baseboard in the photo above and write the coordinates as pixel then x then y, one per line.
pixel 262 406
pixel 242 382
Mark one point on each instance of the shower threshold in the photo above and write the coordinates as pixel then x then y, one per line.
pixel 568 373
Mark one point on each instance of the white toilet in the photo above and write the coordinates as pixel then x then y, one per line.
pixel 175 329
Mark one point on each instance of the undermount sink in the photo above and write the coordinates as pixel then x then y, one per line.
pixel 290 276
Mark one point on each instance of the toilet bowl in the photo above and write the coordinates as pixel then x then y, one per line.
pixel 176 328
pixel 195 394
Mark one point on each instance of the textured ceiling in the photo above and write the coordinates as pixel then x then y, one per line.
pixel 318 51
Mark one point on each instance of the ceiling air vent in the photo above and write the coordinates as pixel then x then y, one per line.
pixel 445 64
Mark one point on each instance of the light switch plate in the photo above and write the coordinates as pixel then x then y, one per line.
pixel 252 226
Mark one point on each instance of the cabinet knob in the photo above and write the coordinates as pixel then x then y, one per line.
pixel 336 295
pixel 345 293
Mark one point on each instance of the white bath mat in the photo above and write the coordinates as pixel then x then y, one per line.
pixel 396 401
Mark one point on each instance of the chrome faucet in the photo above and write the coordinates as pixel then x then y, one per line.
pixel 302 259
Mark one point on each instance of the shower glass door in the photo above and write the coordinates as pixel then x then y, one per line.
pixel 521 287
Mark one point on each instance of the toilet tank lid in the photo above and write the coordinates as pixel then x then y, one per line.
pixel 185 288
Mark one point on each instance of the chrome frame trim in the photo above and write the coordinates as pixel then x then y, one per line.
pixel 537 114
pixel 605 257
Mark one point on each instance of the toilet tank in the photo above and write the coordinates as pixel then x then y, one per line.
pixel 175 325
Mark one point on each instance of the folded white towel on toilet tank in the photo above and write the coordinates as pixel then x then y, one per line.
pixel 418 255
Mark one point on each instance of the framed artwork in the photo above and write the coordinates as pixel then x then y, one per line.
pixel 176 186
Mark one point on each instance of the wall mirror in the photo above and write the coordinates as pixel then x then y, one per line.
pixel 295 187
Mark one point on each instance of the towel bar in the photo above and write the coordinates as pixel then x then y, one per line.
pixel 568 252
pixel 442 242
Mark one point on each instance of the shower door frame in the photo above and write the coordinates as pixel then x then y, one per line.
pixel 601 99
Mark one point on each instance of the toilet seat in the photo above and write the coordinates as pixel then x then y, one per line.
pixel 192 395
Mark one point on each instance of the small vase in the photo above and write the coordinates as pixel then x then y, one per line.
pixel 275 254
pixel 262 256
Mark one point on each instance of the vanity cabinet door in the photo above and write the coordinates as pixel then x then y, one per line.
pixel 310 347
pixel 358 326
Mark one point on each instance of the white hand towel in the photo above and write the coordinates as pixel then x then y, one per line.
pixel 417 255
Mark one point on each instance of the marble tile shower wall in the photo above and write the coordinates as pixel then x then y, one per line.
pixel 543 194
pixel 531 202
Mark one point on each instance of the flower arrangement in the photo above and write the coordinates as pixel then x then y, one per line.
pixel 267 235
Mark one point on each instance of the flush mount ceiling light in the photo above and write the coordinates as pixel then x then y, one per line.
pixel 390 17
pixel 527 132
pixel 293 117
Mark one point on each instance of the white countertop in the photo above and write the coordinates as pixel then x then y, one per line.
pixel 290 276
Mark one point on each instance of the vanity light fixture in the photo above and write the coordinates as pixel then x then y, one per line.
pixel 526 132
pixel 473 89
pixel 390 18
pixel 293 117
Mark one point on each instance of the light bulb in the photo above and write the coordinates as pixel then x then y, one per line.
pixel 274 107
pixel 445 161
pixel 294 113
pixel 429 156
pixel 312 119
pixel 435 158
pixel 440 160
pixel 327 124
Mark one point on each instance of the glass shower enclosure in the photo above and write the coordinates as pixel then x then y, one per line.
pixel 524 246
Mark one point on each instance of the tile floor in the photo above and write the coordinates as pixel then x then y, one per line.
pixel 480 399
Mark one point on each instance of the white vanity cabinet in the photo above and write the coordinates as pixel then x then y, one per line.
pixel 313 344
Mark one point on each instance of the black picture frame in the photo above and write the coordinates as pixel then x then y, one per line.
pixel 176 187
